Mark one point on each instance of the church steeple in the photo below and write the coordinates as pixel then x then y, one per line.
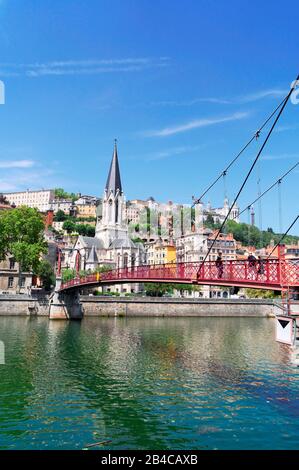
pixel 113 181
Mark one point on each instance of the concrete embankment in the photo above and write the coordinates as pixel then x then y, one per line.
pixel 21 305
pixel 162 307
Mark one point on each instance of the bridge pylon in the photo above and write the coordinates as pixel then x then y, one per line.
pixel 65 305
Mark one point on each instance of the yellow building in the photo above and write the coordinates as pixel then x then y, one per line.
pixel 160 253
pixel 86 210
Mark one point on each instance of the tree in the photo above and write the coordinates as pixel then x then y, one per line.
pixel 21 235
pixel 103 269
pixel 3 199
pixel 69 226
pixel 182 288
pixel 60 216
pixel 46 274
pixel 60 193
pixel 68 274
pixel 261 294
pixel 157 289
pixel 209 222
pixel 90 231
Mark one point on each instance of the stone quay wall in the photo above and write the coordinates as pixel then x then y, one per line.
pixel 162 307
pixel 22 305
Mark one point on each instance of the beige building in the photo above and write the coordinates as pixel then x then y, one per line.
pixel 10 279
pixel 194 246
pixel 160 253
pixel 40 200
pixel 86 210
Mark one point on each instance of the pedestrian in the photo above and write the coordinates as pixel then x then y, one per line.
pixel 260 266
pixel 251 265
pixel 251 260
pixel 219 264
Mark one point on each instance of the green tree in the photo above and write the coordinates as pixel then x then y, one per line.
pixel 157 289
pixel 22 236
pixel 60 216
pixel 69 226
pixel 46 274
pixel 103 269
pixel 60 193
pixel 68 274
pixel 90 231
pixel 261 294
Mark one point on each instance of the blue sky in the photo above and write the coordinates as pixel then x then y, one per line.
pixel 181 84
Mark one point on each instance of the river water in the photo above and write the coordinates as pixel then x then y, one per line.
pixel 147 383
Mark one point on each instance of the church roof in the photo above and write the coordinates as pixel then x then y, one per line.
pixel 90 242
pixel 92 257
pixel 122 243
pixel 113 181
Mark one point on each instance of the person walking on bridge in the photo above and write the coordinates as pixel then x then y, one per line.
pixel 219 264
pixel 251 266
pixel 260 266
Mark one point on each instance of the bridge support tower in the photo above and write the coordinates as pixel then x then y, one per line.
pixel 65 305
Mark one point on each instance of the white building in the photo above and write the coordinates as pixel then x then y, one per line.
pixel 219 213
pixel 40 199
pixel 64 205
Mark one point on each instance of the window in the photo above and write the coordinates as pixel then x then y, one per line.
pixel 10 282
pixel 23 280
pixel 11 263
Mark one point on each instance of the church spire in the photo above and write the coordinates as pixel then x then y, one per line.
pixel 113 182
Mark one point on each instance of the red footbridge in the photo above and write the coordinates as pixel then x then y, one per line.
pixel 272 274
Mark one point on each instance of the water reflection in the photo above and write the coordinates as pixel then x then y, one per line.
pixel 147 383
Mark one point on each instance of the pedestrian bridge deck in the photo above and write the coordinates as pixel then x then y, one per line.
pixel 272 274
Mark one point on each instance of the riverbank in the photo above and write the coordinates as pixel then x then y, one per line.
pixel 22 305
pixel 168 307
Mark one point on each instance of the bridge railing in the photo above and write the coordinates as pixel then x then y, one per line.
pixel 269 272
pixel 272 272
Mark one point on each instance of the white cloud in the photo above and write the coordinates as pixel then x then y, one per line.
pixel 283 156
pixel 190 102
pixel 195 124
pixel 17 164
pixel 286 127
pixel 272 93
pixel 248 98
pixel 82 67
pixel 173 151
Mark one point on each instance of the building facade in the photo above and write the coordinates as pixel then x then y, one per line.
pixel 40 200
pixel 11 280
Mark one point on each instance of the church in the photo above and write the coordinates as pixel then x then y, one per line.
pixel 111 245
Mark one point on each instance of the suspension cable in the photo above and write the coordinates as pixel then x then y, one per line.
pixel 251 169
pixel 248 221
pixel 254 137
pixel 279 206
pixel 284 235
pixel 267 190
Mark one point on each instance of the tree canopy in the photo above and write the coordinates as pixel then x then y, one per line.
pixel 22 236
pixel 60 193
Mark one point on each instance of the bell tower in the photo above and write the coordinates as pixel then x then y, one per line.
pixel 112 225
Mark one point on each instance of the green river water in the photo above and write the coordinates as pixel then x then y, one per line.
pixel 147 383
